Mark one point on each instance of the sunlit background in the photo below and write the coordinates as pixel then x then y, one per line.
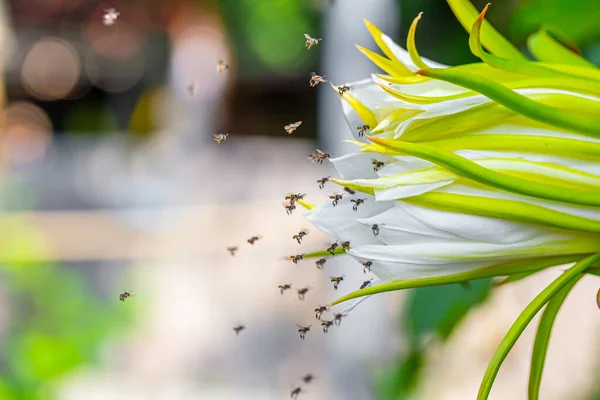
pixel 111 181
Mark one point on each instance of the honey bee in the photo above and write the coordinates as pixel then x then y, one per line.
pixel 289 207
pixel 322 181
pixel 349 191
pixel 254 239
pixel 297 258
pixel 336 198
pixel 221 137
pixel 326 325
pixel 377 165
pixel 300 235
pixel 375 229
pixel 302 292
pixel 343 89
pixel 292 127
pixel 362 130
pixel 357 202
pixel 284 287
pixel 295 392
pixel 332 248
pixel 319 311
pixel 336 280
pixel 232 250
pixel 293 197
pixel 366 283
pixel 238 329
pixel 320 263
pixel 125 295
pixel 110 16
pixel 367 266
pixel 302 330
pixel 345 245
pixel 318 157
pixel 337 318
pixel 316 79
pixel 308 378
pixel 222 66
pixel 310 41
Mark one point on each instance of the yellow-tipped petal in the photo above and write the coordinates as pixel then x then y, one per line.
pixel 392 68
pixel 410 44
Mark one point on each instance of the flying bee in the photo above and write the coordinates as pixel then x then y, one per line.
pixel 311 41
pixel 253 239
pixel 357 202
pixel 300 235
pixel 320 263
pixel 238 329
pixel 295 392
pixel 110 16
pixel 343 89
pixel 302 330
pixel 319 311
pixel 367 266
pixel 316 79
pixel 308 378
pixel 326 325
pixel 337 318
pixel 375 229
pixel 366 283
pixel 362 130
pixel 284 287
pixel 289 207
pixel 345 245
pixel 125 295
pixel 318 156
pixel 322 181
pixel 302 292
pixel 297 258
pixel 293 197
pixel 292 127
pixel 232 250
pixel 336 280
pixel 332 248
pixel 349 191
pixel 222 66
pixel 336 198
pixel 377 165
pixel 221 137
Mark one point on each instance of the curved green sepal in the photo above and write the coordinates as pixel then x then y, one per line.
pixel 410 44
pixel 545 48
pixel 513 278
pixel 324 253
pixel 377 36
pixel 382 62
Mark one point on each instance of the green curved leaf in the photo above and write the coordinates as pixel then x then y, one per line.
pixel 545 48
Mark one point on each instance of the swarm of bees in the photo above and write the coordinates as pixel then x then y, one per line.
pixel 366 283
pixel 300 235
pixel 326 325
pixel 253 239
pixel 292 127
pixel 362 130
pixel 221 137
pixel 222 66
pixel 316 79
pixel 377 165
pixel 125 295
pixel 319 311
pixel 232 250
pixel 311 41
pixel 302 330
pixel 302 292
pixel 367 266
pixel 336 280
pixel 320 263
pixel 322 181
pixel 357 202
pixel 238 329
pixel 284 287
pixel 110 16
pixel 318 157
pixel 331 249
pixel 297 258
pixel 375 229
pixel 343 89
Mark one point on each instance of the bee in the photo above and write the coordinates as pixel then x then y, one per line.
pixel 322 181
pixel 222 66
pixel 110 16
pixel 253 239
pixel 125 295
pixel 345 245
pixel 362 130
pixel 349 191
pixel 293 197
pixel 297 258
pixel 318 157
pixel 320 263
pixel 295 392
pixel 337 318
pixel 289 207
pixel 292 127
pixel 221 137
pixel 377 165
pixel 375 229
pixel 343 89
pixel 336 280
pixel 284 287
pixel 300 235
pixel 310 41
pixel 336 198
pixel 326 325
pixel 319 311
pixel 302 292
pixel 332 248
pixel 366 283
pixel 367 266
pixel 302 330
pixel 232 250
pixel 357 202
pixel 238 329
pixel 316 79
pixel 308 378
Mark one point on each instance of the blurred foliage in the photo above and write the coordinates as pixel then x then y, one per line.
pixel 51 322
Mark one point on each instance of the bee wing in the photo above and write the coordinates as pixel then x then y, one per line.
pixel 313 74
pixel 306 35
pixel 299 326
pixel 297 124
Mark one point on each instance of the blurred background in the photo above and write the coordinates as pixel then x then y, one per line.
pixel 111 181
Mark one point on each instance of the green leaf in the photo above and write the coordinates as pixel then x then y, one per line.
pixel 542 337
pixel 545 48
pixel 525 318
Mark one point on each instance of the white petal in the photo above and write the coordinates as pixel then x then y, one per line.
pixel 358 165
pixel 404 191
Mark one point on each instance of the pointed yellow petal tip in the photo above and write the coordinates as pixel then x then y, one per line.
pixel 340 182
pixel 482 15
pixel 410 43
